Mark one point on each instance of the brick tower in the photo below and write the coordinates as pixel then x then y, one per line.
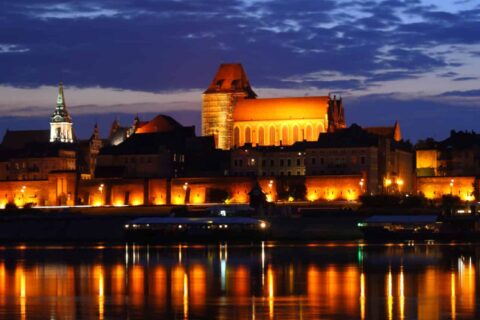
pixel 218 101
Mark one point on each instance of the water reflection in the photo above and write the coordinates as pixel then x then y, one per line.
pixel 264 281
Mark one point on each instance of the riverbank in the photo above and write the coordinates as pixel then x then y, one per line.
pixel 106 224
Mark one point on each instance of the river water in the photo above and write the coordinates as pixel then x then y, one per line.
pixel 233 281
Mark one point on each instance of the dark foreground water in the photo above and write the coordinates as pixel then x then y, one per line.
pixel 261 281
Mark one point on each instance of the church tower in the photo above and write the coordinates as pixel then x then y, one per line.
pixel 218 101
pixel 336 114
pixel 60 123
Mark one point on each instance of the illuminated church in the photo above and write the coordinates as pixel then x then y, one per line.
pixel 233 114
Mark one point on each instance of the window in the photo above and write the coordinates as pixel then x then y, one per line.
pixel 313 161
pixel 240 163
pixel 289 173
pixel 298 161
pixel 298 173
pixel 234 163
pixel 219 84
pixel 263 163
pixel 362 160
pixel 281 162
pixel 272 163
pixel 289 162
pixel 321 160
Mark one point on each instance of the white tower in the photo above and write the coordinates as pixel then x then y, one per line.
pixel 61 129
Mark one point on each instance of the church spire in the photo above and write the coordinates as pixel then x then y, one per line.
pixel 61 122
pixel 61 113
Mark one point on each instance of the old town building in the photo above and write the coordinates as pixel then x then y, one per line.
pixel 450 166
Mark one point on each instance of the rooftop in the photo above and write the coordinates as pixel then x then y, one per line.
pixel 281 108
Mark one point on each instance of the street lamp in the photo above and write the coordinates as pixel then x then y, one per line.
pixel 100 189
pixel 361 183
pixel 399 182
pixel 451 186
pixel 23 194
pixel 270 186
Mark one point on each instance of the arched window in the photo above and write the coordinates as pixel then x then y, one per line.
pixel 295 134
pixel 309 133
pixel 261 136
pixel 248 135
pixel 285 135
pixel 319 130
pixel 236 137
pixel 272 136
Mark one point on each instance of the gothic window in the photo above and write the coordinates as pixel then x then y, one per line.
pixel 295 134
pixel 319 130
pixel 272 136
pixel 236 136
pixel 285 135
pixel 309 134
pixel 248 135
pixel 261 136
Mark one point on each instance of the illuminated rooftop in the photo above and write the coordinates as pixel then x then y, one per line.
pixel 281 108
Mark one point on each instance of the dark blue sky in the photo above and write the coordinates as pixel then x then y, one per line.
pixel 415 61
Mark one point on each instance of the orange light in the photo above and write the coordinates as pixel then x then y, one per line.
pixel 387 182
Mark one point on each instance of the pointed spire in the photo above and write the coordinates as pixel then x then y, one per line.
pixel 397 133
pixel 61 113
pixel 60 97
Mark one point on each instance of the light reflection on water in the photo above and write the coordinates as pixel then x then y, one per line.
pixel 263 281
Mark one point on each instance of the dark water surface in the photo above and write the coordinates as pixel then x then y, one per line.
pixel 259 281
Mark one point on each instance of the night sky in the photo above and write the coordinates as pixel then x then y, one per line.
pixel 413 61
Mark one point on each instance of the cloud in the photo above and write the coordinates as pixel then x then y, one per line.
pixel 178 44
pixel 41 100
pixel 469 93
pixel 12 48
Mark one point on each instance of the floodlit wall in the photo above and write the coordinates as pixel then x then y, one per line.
pixel 436 187
pixel 129 192
pixel 333 187
pixel 426 161
pixel 158 191
pixel 195 190
pixel 59 189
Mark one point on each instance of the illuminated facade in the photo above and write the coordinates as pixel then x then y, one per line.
pixel 436 187
pixel 458 155
pixel 234 116
pixel 61 126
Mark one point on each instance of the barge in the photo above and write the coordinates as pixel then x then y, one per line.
pixel 420 227
pixel 167 229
